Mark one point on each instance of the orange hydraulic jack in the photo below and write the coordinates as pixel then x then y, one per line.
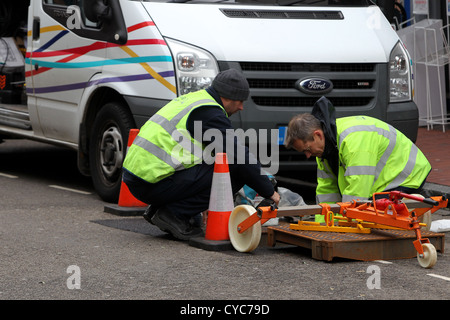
pixel 391 212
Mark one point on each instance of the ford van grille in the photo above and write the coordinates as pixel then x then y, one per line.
pixel 357 88
pixel 273 84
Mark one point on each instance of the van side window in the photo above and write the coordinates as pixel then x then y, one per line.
pixel 72 9
pixel 105 20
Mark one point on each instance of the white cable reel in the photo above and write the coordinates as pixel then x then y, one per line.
pixel 248 240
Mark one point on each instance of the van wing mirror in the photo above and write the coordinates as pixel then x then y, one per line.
pixel 97 11
pixel 93 19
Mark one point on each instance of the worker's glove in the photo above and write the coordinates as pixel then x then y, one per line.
pixel 267 203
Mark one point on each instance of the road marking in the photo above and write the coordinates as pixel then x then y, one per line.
pixel 438 276
pixel 8 175
pixel 68 189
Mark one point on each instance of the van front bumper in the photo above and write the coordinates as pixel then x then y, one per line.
pixel 404 116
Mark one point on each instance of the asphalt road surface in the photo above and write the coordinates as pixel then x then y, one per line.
pixel 58 243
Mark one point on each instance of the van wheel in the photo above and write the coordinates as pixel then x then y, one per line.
pixel 107 148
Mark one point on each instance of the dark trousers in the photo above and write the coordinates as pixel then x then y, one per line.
pixel 186 192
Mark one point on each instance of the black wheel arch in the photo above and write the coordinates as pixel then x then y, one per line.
pixel 100 97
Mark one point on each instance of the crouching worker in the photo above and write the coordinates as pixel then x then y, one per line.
pixel 166 168
pixel 356 156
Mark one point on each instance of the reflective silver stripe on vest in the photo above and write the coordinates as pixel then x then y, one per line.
pixel 163 122
pixel 324 175
pixel 360 170
pixel 327 173
pixel 368 128
pixel 182 140
pixel 186 110
pixel 390 134
pixel 348 198
pixel 170 127
pixel 409 167
pixel 328 197
pixel 158 152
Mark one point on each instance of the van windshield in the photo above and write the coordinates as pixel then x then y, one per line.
pixel 304 3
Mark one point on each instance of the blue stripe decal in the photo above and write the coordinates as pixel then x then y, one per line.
pixel 82 85
pixel 53 40
pixel 91 64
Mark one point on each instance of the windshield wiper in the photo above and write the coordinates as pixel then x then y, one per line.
pixel 291 2
pixel 196 1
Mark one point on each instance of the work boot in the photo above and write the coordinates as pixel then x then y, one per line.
pixel 197 220
pixel 149 213
pixel 174 224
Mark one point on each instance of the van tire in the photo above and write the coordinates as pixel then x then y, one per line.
pixel 107 149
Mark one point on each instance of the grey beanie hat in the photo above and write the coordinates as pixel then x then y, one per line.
pixel 231 84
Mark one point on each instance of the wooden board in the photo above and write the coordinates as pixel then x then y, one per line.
pixel 380 244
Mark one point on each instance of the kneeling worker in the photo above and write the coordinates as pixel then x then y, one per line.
pixel 356 156
pixel 163 167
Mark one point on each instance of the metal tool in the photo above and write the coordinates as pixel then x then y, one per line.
pixel 398 210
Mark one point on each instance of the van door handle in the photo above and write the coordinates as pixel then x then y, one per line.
pixel 36 28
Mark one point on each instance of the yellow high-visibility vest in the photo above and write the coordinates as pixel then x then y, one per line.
pixel 373 157
pixel 164 145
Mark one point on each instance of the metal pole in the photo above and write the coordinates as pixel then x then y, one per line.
pixel 437 9
pixel 434 9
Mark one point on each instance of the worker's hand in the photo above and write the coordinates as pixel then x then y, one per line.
pixel 276 197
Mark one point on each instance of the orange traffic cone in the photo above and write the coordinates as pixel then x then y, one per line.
pixel 220 202
pixel 126 199
pixel 128 204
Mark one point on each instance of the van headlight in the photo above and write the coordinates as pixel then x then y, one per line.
pixel 195 68
pixel 400 74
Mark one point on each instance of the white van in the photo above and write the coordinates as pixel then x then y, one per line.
pixel 95 69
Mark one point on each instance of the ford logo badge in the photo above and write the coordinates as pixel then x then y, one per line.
pixel 314 85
